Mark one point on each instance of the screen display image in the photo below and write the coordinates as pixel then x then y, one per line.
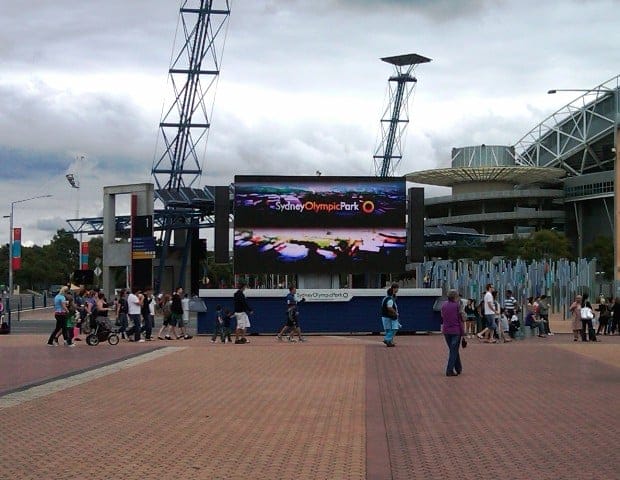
pixel 354 250
pixel 286 224
pixel 319 201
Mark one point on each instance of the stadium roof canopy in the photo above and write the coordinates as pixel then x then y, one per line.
pixel 518 175
pixel 579 137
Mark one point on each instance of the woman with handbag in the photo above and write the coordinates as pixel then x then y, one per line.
pixel 587 315
pixel 452 328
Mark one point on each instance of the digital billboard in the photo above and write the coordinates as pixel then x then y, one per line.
pixel 319 224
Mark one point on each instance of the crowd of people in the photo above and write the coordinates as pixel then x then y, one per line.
pixel 76 312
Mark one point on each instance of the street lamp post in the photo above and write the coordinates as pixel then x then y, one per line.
pixel 616 93
pixel 11 246
pixel 75 183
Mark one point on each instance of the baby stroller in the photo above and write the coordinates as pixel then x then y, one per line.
pixel 100 331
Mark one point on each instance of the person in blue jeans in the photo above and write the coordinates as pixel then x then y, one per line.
pixel 389 315
pixel 452 329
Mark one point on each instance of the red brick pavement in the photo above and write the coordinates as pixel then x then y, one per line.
pixel 334 408
pixel 526 410
pixel 26 360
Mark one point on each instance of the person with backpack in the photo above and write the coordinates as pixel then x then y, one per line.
pixel 389 315
pixel 292 315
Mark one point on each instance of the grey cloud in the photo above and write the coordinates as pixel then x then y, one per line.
pixel 46 124
pixel 51 224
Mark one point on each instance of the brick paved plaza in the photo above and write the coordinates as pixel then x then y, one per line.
pixel 333 408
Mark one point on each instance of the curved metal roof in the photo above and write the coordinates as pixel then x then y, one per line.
pixel 579 137
pixel 518 175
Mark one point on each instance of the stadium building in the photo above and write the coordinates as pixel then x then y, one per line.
pixel 560 175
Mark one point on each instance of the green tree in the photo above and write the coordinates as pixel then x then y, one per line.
pixel 546 244
pixel 513 247
pixel 603 249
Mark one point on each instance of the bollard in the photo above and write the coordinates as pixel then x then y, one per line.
pixel 33 301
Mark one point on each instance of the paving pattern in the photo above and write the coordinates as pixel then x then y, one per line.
pixel 519 411
pixel 333 408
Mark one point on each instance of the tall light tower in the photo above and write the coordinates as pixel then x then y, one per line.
pixel 396 116
pixel 184 126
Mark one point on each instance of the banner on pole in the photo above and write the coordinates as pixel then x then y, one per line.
pixel 16 248
pixel 84 256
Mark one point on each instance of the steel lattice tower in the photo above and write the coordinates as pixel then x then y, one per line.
pixel 184 127
pixel 396 116
pixel 185 123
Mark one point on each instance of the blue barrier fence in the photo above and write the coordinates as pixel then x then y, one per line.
pixel 359 313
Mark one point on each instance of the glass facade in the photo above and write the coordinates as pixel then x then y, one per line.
pixel 590 189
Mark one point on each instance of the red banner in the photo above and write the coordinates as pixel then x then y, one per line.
pixel 84 256
pixel 17 249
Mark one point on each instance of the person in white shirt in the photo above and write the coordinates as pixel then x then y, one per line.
pixel 489 310
pixel 134 304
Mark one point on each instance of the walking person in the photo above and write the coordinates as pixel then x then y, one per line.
pixel 218 326
pixel 543 313
pixel 587 315
pixel 292 315
pixel 470 323
pixel 452 329
pixel 177 320
pixel 242 308
pixel 490 311
pixel 134 307
pixel 615 317
pixel 147 310
pixel 575 310
pixel 389 315
pixel 165 304
pixel 121 313
pixel 603 319
pixel 60 314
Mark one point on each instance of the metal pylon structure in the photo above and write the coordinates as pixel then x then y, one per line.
pixel 396 116
pixel 184 126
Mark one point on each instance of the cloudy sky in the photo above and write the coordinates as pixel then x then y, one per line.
pixel 301 87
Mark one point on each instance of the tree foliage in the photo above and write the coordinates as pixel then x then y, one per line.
pixel 602 248
pixel 544 244
pixel 52 264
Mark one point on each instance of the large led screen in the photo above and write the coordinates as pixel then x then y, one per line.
pixel 319 224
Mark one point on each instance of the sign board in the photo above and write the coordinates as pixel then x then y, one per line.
pixel 143 248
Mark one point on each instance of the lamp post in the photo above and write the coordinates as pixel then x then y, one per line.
pixel 616 93
pixel 75 183
pixel 11 245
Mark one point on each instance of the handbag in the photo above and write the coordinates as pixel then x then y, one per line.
pixel 463 342
pixel 586 313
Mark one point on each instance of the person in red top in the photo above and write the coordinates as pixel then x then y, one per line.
pixel 452 328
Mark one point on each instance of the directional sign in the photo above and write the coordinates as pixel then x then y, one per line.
pixel 143 248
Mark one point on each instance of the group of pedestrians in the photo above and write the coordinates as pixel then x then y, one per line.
pixel 134 309
pixel 583 317
pixel 240 314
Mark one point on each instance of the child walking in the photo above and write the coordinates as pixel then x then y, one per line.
pixel 218 327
